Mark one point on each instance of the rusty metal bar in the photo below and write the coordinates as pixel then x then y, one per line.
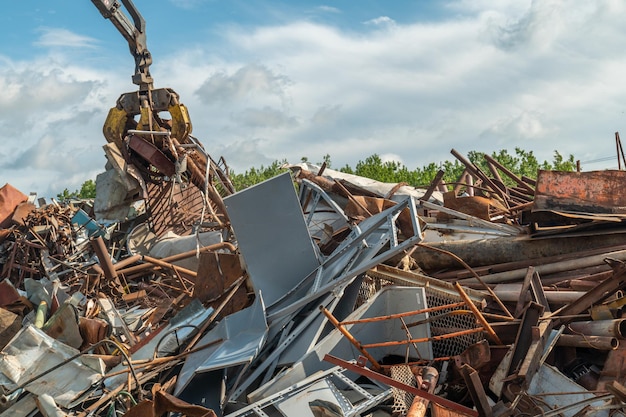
pixel 510 174
pixel 475 171
pixel 476 390
pixel 602 291
pixel 397 384
pixel 424 339
pixel 168 265
pixel 126 262
pixel 433 185
pixel 350 338
pixel 400 315
pixel 350 197
pixel 481 319
pixel 180 256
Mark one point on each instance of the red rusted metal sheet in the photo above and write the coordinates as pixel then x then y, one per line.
pixel 587 192
pixel 152 154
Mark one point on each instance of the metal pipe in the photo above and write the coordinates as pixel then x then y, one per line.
pixel 126 262
pixel 609 328
pixel 551 268
pixel 418 408
pixel 104 258
pixel 584 341
pixel 168 265
pixel 180 256
pixel 149 132
pixel 511 293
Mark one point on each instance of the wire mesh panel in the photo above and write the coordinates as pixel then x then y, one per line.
pixel 441 322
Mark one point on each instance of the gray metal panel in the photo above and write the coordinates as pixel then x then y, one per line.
pixel 241 336
pixel 272 236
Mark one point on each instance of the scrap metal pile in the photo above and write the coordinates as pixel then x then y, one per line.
pixel 172 292
pixel 342 296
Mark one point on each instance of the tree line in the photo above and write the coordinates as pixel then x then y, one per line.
pixel 522 163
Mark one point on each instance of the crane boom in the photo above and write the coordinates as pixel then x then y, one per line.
pixel 135 34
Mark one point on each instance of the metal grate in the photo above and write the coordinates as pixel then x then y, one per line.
pixel 442 322
pixel 402 400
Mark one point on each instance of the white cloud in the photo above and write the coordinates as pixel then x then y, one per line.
pixel 58 37
pixel 329 9
pixel 381 21
pixel 493 74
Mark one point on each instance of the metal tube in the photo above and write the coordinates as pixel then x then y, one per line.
pixel 150 132
pixel 551 268
pixel 584 341
pixel 511 293
pixel 168 265
pixel 104 258
pixel 608 328
pixel 418 408
pixel 180 256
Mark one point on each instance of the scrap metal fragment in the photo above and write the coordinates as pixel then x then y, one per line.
pixel 361 370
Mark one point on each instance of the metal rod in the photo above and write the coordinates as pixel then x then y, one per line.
pixel 149 132
pixel 350 338
pixel 478 314
pixel 400 315
pixel 423 339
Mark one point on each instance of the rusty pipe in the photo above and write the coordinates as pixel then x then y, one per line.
pixel 592 342
pixel 180 256
pixel 104 258
pixel 126 262
pixel 163 264
pixel 350 338
pixel 429 377
pixel 608 328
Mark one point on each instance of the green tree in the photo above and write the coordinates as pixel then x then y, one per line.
pixel 257 175
pixel 87 190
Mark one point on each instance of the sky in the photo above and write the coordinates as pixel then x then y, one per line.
pixel 269 81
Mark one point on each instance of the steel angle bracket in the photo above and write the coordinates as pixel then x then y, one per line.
pixel 361 250
pixel 312 198
pixel 310 188
pixel 312 387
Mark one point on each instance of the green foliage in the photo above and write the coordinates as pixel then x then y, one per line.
pixel 522 163
pixel 87 190
pixel 257 175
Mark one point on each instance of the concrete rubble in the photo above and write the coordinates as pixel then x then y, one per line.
pixel 314 293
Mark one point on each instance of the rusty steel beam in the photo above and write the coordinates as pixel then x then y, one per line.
pixel 587 192
pixel 361 370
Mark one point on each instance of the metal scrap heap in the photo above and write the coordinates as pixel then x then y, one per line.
pixel 322 294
